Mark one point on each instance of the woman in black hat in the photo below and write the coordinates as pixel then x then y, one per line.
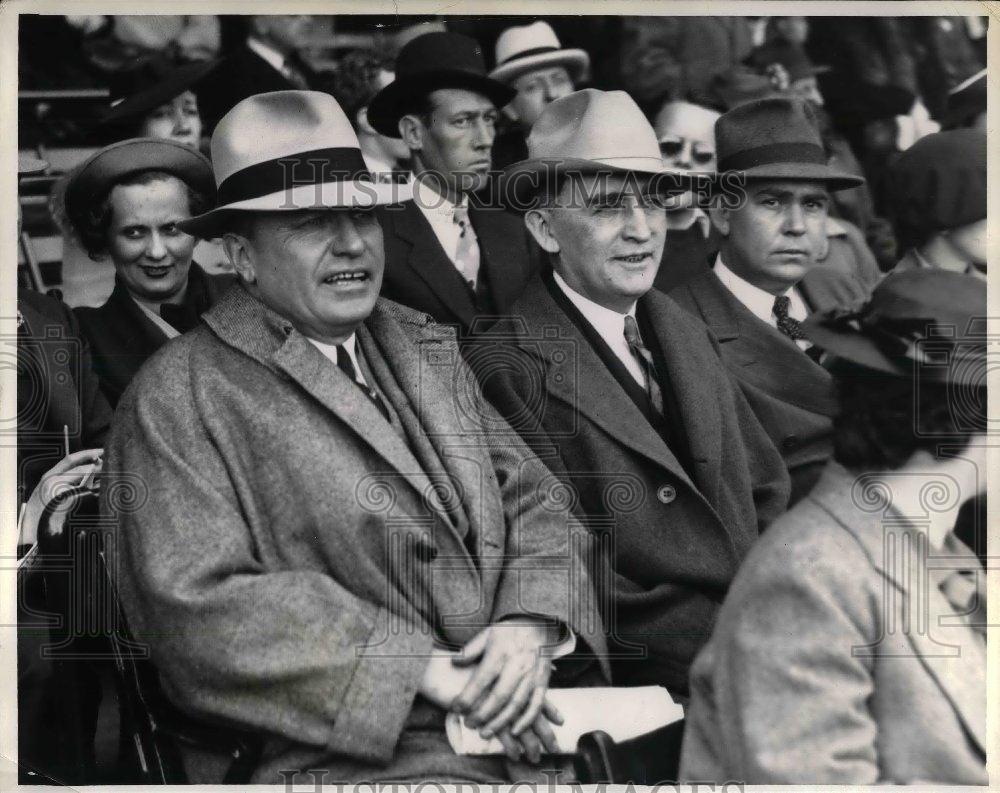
pixel 125 203
pixel 851 648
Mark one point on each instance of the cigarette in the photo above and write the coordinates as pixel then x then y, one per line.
pixel 66 439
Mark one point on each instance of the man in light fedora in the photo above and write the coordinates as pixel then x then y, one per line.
pixel 312 561
pixel 530 59
pixel 448 253
pixel 664 458
pixel 756 294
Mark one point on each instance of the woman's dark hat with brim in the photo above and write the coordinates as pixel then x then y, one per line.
pixel 776 138
pixel 102 170
pixel 141 89
pixel 429 62
pixel 29 166
pixel 966 101
pixel 932 319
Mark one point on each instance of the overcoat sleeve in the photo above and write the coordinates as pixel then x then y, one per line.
pixel 272 650
pixel 778 695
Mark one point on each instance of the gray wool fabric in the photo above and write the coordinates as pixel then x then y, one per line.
pixel 291 559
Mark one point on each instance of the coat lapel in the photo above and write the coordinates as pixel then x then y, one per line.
pixel 586 383
pixel 429 261
pixel 501 254
pixel 762 355
pixel 951 652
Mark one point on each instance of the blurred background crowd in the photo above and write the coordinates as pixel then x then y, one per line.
pixel 878 85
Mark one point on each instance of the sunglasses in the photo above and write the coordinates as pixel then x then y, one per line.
pixel 700 153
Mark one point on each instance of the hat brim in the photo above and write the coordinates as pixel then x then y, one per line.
pixel 330 195
pixel 98 173
pixel 832 178
pixel 576 61
pixel 853 346
pixel 145 101
pixel 391 103
pixel 523 182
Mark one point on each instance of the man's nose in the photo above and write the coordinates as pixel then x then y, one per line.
pixel 484 134
pixel 685 159
pixel 636 225
pixel 794 220
pixel 346 239
pixel 181 121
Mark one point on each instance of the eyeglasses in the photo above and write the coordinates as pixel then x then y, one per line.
pixel 700 152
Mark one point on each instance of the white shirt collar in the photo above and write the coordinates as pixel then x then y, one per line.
pixel 268 53
pixel 350 344
pixel 759 302
pixel 440 214
pixel 152 311
pixel 609 324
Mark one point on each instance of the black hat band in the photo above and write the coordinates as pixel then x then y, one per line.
pixel 772 154
pixel 319 166
pixel 527 54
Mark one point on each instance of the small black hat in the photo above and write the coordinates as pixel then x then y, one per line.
pixel 428 62
pixel 151 83
pixel 929 318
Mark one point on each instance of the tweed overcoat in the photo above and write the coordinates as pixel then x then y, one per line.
pixel 673 538
pixel 836 659
pixel 791 394
pixel 291 559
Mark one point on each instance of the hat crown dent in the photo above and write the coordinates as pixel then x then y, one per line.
pixel 440 50
pixel 764 122
pixel 278 124
pixel 593 125
pixel 522 38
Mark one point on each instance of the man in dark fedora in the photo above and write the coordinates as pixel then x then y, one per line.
pixel 446 253
pixel 320 562
pixel 623 393
pixel 754 297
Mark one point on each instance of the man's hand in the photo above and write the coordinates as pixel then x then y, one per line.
pixel 443 681
pixel 507 689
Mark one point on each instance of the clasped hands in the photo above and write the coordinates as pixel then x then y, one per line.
pixel 498 683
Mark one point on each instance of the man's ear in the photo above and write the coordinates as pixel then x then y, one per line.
pixel 510 113
pixel 537 221
pixel 411 130
pixel 720 219
pixel 361 120
pixel 240 254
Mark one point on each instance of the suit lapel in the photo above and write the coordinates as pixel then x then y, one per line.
pixel 763 356
pixel 950 651
pixel 498 236
pixel 699 412
pixel 586 384
pixel 429 261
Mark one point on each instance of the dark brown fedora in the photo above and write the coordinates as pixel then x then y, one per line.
pixel 776 138
pixel 429 62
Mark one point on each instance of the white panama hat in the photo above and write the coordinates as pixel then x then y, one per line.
pixel 536 46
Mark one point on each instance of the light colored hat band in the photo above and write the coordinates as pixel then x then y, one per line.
pixel 772 154
pixel 319 166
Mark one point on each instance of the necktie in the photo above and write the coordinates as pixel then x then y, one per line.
pixel 293 70
pixel 346 365
pixel 965 590
pixel 645 359
pixel 467 252
pixel 790 327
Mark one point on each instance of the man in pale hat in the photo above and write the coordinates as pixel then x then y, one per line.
pixel 315 563
pixel 851 649
pixel 448 253
pixel 757 294
pixel 623 394
pixel 530 59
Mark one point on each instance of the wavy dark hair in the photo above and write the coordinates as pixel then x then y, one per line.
pixel 884 418
pixel 93 223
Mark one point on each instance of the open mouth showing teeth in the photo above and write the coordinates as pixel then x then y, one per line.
pixel 155 272
pixel 341 278
pixel 635 258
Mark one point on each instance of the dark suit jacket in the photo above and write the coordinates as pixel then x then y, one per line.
pixel 419 274
pixel 56 387
pixel 122 338
pixel 241 74
pixel 791 394
pixel 671 538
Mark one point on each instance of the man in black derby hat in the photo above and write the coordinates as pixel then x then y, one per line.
pixel 754 297
pixel 623 394
pixel 446 255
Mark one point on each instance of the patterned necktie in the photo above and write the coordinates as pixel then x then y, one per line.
pixel 467 252
pixel 790 327
pixel 346 365
pixel 645 359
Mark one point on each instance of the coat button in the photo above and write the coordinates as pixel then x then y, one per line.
pixel 425 553
pixel 790 442
pixel 666 493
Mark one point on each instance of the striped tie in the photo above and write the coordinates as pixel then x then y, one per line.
pixel 467 252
